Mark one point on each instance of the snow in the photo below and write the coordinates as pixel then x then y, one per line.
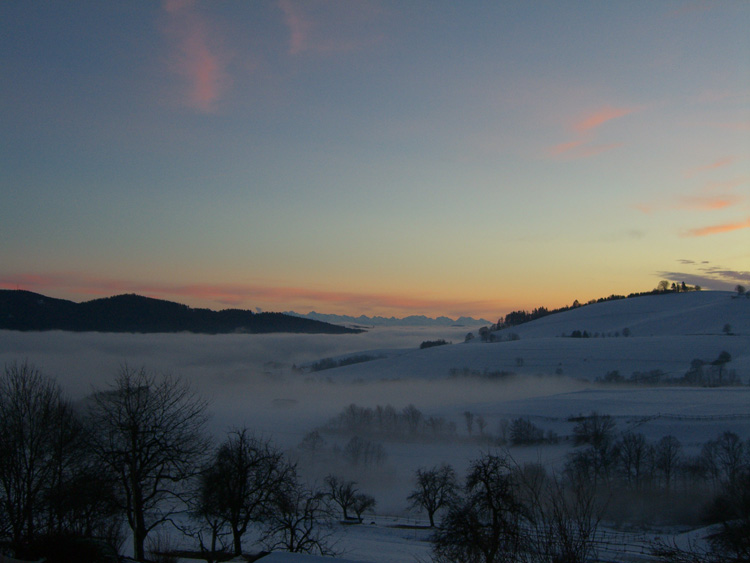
pixel 249 381
pixel 282 557
pixel 666 333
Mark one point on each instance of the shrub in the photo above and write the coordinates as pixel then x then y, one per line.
pixel 524 432
pixel 432 343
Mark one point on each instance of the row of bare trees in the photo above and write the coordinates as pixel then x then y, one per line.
pixel 507 512
pixel 629 460
pixel 137 452
pixel 51 481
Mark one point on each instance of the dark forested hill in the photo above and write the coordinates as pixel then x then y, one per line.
pixel 24 310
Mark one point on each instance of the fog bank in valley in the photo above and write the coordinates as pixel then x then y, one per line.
pixel 249 381
pixel 249 378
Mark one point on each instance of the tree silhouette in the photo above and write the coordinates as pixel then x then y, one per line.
pixel 723 359
pixel 343 493
pixel 34 419
pixel 488 525
pixel 148 431
pixel 436 488
pixel 242 482
pixel 296 521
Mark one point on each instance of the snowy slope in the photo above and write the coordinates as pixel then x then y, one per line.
pixel 667 332
pixel 673 314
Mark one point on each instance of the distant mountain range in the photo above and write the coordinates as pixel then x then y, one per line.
pixel 413 320
pixel 24 310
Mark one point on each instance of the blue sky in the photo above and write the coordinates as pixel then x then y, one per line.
pixel 369 157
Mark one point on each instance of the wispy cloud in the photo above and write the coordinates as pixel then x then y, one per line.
pixel 709 203
pixel 299 26
pixel 195 55
pixel 328 26
pixel 727 184
pixel 712 166
pixel 718 229
pixel 713 196
pixel 599 117
pixel 269 297
pixel 584 128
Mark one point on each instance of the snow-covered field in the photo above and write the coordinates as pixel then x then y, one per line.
pixel 250 381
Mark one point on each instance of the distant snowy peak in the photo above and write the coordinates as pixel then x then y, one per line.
pixel 412 320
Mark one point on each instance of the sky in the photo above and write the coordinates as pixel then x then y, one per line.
pixel 373 157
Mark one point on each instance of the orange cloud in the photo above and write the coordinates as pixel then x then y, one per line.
pixel 599 117
pixel 713 166
pixel 563 148
pixel 585 128
pixel 251 295
pixel 195 56
pixel 717 229
pixel 709 203
pixel 713 196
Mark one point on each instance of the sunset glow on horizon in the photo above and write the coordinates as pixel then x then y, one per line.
pixel 373 157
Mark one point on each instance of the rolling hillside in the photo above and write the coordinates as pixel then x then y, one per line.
pixel 666 332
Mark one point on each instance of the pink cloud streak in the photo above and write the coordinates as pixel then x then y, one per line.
pixel 194 56
pixel 599 117
pixel 299 27
pixel 585 128
pixel 563 148
pixel 712 166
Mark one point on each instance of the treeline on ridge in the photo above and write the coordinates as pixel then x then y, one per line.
pixel 515 318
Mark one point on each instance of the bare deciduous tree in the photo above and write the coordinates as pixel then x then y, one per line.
pixel 634 456
pixel 298 521
pixel 148 431
pixel 436 488
pixel 565 519
pixel 343 493
pixel 242 481
pixel 487 526
pixel 595 429
pixel 37 430
pixel 667 454
pixel 520 515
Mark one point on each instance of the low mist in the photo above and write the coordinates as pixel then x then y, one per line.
pixel 250 381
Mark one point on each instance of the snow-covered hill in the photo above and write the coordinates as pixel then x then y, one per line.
pixel 703 313
pixel 665 332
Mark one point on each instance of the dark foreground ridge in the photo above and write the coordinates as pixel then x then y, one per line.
pixel 24 310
